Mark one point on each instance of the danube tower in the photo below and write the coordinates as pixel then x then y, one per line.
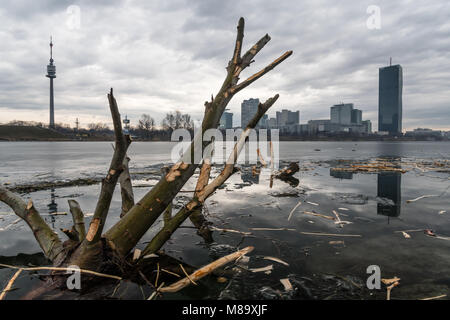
pixel 51 73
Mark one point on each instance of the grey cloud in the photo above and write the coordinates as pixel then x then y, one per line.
pixel 162 56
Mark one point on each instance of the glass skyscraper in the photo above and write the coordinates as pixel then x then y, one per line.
pixel 390 88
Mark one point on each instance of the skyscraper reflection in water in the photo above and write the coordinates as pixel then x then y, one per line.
pixel 52 207
pixel 389 187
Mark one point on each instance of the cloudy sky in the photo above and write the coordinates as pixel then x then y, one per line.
pixel 162 56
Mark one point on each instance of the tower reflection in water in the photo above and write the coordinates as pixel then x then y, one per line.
pixel 390 187
pixel 389 191
pixel 52 207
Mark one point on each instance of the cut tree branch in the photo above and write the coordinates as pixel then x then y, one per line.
pixel 126 233
pixel 48 240
pixel 78 219
pixel 126 188
pixel 109 183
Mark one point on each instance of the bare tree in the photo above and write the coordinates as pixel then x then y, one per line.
pixel 96 251
pixel 146 124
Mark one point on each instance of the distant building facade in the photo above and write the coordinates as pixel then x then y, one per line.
pixel 341 113
pixel 390 87
pixel 226 121
pixel 367 124
pixel 248 110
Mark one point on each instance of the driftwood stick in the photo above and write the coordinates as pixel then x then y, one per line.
pixel 204 271
pixel 10 284
pixel 98 274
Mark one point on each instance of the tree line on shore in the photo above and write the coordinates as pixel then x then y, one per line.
pixel 146 127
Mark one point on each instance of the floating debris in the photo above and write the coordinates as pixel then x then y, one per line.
pixel 442 212
pixel 292 211
pixel 318 215
pixel 204 271
pixel 406 235
pixel 343 209
pixel 277 260
pixel 421 197
pixel 272 229
pixel 331 234
pixel 436 297
pixel 286 284
pixel 267 269
pixel 312 203
pixel 231 231
pixel 429 232
pixel 11 224
pixel 351 198
pixel 337 242
pixel 391 283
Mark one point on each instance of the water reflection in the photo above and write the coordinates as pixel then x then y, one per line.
pixel 390 187
pixel 341 174
pixel 52 208
pixel 250 177
pixel 389 191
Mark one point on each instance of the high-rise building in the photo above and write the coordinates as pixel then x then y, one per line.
pixel 341 113
pixel 356 116
pixel 286 117
pixel 390 88
pixel 51 73
pixel 367 126
pixel 248 110
pixel 226 121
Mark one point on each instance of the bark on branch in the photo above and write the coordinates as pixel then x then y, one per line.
pixel 78 219
pixel 109 183
pixel 48 240
pixel 126 188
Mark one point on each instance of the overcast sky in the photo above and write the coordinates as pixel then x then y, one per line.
pixel 162 56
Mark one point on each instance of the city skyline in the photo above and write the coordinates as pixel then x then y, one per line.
pixel 324 70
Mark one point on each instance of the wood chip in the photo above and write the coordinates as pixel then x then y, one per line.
pixel 390 281
pixel 292 211
pixel 265 269
pixel 287 284
pixel 407 236
pixel 136 254
pixel 277 260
